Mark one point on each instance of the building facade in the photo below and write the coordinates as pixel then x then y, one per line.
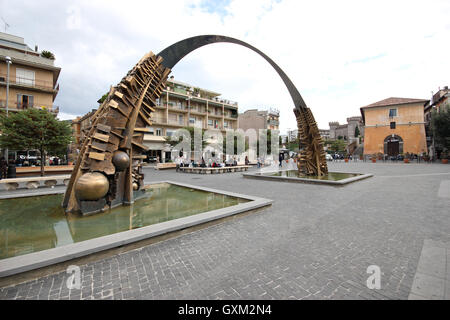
pixel 346 131
pixel 394 126
pixel 32 80
pixel 257 119
pixel 184 105
pixel 437 102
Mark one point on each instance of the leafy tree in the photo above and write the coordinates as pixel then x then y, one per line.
pixel 47 54
pixel 337 145
pixel 440 124
pixel 35 129
pixel 173 142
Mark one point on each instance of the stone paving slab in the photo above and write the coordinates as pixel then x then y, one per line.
pixel 313 243
pixel 432 279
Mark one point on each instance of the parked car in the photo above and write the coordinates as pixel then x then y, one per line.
pixel 328 157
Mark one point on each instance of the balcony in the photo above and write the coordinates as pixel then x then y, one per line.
pixel 36 84
pixel 15 106
pixel 273 122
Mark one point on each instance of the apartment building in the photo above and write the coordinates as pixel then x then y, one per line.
pixel 260 119
pixel 184 105
pixel 33 79
pixel 437 103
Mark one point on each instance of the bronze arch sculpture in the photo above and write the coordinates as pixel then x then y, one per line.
pixel 108 169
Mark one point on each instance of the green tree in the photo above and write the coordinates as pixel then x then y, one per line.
pixel 337 145
pixel 35 129
pixel 173 142
pixel 440 124
pixel 357 133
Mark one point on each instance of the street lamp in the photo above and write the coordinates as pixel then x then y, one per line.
pixel 8 62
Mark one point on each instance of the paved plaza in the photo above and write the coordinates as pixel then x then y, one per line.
pixel 314 242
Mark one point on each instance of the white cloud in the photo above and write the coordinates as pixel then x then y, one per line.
pixel 341 55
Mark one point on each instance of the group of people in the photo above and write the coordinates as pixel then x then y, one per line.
pixel 211 163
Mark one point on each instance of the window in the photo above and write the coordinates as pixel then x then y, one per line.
pixel 169 133
pixel 392 113
pixel 210 122
pixel 159 132
pixel 24 76
pixel 180 119
pixel 392 125
pixel 172 117
pixel 225 124
pixel 24 101
pixel 191 119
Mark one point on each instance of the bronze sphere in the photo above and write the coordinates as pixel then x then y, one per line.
pixel 135 186
pixel 121 160
pixel 91 186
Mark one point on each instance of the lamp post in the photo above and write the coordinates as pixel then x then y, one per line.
pixel 8 62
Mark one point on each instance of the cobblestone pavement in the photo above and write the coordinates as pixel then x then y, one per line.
pixel 315 242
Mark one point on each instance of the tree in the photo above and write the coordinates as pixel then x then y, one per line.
pixel 357 133
pixel 174 142
pixel 440 124
pixel 35 129
pixel 337 145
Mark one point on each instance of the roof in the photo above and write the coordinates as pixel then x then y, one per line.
pixel 391 102
pixel 394 101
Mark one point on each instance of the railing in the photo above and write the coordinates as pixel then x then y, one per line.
pixel 13 105
pixel 35 83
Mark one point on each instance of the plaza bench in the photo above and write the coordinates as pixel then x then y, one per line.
pixel 169 165
pixel 34 182
pixel 208 170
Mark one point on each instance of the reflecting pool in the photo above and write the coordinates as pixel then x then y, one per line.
pixel 38 223
pixel 331 176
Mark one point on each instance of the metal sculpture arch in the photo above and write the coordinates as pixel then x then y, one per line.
pixel 108 170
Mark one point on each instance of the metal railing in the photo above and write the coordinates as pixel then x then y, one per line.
pixel 14 105
pixel 35 83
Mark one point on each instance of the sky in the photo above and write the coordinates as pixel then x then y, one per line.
pixel 341 55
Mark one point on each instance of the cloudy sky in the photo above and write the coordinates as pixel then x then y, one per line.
pixel 341 55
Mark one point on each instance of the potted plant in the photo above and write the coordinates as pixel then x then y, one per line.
pixel 406 157
pixel 380 156
pixel 444 157
pixel 374 158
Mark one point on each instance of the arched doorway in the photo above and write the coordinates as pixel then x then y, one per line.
pixel 393 145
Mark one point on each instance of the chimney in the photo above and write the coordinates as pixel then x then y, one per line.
pixel 36 48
